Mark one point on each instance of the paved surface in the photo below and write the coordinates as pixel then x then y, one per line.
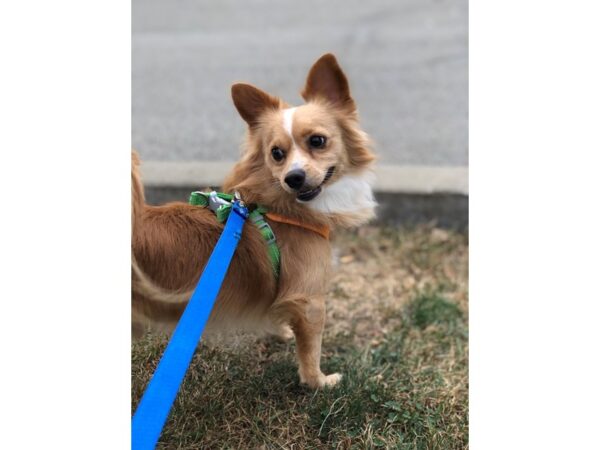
pixel 406 61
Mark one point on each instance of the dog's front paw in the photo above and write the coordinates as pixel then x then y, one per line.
pixel 332 380
pixel 322 381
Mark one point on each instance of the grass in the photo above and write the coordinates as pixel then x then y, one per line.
pixel 397 330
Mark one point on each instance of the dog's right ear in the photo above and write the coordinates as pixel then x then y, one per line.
pixel 251 102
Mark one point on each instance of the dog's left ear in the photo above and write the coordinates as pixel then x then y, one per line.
pixel 327 81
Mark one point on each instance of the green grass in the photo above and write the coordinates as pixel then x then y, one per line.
pixel 404 387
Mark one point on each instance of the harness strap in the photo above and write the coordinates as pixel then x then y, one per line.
pixel 266 231
pixel 220 204
pixel 322 230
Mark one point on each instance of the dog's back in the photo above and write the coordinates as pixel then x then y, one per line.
pixel 170 247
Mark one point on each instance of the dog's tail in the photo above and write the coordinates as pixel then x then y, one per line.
pixel 137 192
pixel 143 285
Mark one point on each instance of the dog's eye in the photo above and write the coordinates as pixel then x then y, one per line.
pixel 277 153
pixel 317 141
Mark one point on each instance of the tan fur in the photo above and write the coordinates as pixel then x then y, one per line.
pixel 171 243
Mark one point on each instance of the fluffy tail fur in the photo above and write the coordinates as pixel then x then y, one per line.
pixel 140 282
pixel 146 287
pixel 137 192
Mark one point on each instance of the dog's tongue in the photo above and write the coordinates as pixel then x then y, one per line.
pixel 308 195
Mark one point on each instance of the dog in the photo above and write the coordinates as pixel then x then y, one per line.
pixel 310 167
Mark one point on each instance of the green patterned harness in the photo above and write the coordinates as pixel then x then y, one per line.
pixel 220 204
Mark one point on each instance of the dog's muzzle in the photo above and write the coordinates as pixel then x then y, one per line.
pixel 306 196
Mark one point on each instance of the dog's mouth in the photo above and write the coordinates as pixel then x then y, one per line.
pixel 308 195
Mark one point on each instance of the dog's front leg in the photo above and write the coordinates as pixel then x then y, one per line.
pixel 307 325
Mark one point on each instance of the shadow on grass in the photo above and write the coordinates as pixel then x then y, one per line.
pixel 409 391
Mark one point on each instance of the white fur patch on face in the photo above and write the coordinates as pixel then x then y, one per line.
pixel 288 119
pixel 298 161
pixel 352 194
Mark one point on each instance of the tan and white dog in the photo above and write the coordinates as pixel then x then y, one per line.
pixel 310 166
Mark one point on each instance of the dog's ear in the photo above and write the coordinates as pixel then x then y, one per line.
pixel 251 102
pixel 327 81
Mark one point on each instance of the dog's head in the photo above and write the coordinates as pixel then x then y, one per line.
pixel 314 155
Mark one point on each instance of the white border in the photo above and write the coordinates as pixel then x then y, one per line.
pixel 534 224
pixel 65 115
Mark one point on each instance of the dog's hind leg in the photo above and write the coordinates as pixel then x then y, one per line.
pixel 278 328
pixel 284 332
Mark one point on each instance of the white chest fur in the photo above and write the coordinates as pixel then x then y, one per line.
pixel 352 194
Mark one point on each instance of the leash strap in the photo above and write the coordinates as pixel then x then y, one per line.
pixel 154 407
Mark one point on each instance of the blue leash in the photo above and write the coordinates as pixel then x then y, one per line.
pixel 154 407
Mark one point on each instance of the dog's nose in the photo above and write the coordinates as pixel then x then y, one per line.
pixel 295 178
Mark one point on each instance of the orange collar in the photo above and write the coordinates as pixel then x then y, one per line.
pixel 323 230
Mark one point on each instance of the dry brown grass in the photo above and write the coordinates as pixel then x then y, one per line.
pixel 380 270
